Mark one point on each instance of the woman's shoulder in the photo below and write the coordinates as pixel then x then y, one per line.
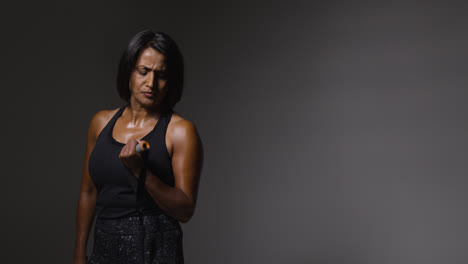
pixel 105 114
pixel 178 122
pixel 180 127
pixel 183 135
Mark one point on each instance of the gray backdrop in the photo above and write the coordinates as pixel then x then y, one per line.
pixel 334 132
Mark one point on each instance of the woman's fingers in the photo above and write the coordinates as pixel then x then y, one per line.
pixel 130 157
pixel 130 148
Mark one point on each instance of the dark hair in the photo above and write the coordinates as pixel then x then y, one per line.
pixel 173 58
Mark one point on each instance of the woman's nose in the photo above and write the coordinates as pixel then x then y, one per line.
pixel 150 79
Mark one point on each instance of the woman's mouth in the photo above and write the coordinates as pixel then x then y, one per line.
pixel 149 95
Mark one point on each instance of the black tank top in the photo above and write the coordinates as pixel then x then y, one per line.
pixel 113 180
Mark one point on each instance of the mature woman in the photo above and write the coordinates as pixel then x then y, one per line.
pixel 141 228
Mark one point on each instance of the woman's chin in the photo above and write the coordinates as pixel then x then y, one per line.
pixel 147 102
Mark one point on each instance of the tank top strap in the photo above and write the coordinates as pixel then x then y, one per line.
pixel 111 122
pixel 166 120
pixel 117 115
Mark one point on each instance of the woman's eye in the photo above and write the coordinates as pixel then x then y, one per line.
pixel 143 73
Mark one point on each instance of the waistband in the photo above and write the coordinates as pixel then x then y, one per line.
pixel 138 224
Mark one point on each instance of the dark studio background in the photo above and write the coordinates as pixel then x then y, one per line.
pixel 334 132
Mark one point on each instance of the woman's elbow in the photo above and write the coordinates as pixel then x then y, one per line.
pixel 187 215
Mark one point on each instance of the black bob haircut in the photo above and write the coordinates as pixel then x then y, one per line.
pixel 164 44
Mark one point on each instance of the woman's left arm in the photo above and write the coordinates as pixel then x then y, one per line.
pixel 187 161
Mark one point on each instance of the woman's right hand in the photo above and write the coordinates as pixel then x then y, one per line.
pixel 130 158
pixel 79 260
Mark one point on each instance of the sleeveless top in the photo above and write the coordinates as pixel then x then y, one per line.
pixel 115 184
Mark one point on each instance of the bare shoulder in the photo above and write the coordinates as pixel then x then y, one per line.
pixel 99 121
pixel 181 131
pixel 179 126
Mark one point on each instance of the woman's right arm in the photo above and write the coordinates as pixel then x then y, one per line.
pixel 87 197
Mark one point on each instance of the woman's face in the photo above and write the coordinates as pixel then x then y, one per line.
pixel 149 78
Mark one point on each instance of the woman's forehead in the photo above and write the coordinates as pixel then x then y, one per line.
pixel 150 57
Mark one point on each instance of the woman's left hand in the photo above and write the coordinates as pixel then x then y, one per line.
pixel 130 158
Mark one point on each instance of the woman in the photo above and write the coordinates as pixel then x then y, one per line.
pixel 150 80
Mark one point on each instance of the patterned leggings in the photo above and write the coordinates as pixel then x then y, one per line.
pixel 155 240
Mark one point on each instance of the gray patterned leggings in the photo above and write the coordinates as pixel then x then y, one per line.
pixel 125 241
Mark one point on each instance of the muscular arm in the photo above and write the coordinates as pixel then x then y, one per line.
pixel 187 160
pixel 87 196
